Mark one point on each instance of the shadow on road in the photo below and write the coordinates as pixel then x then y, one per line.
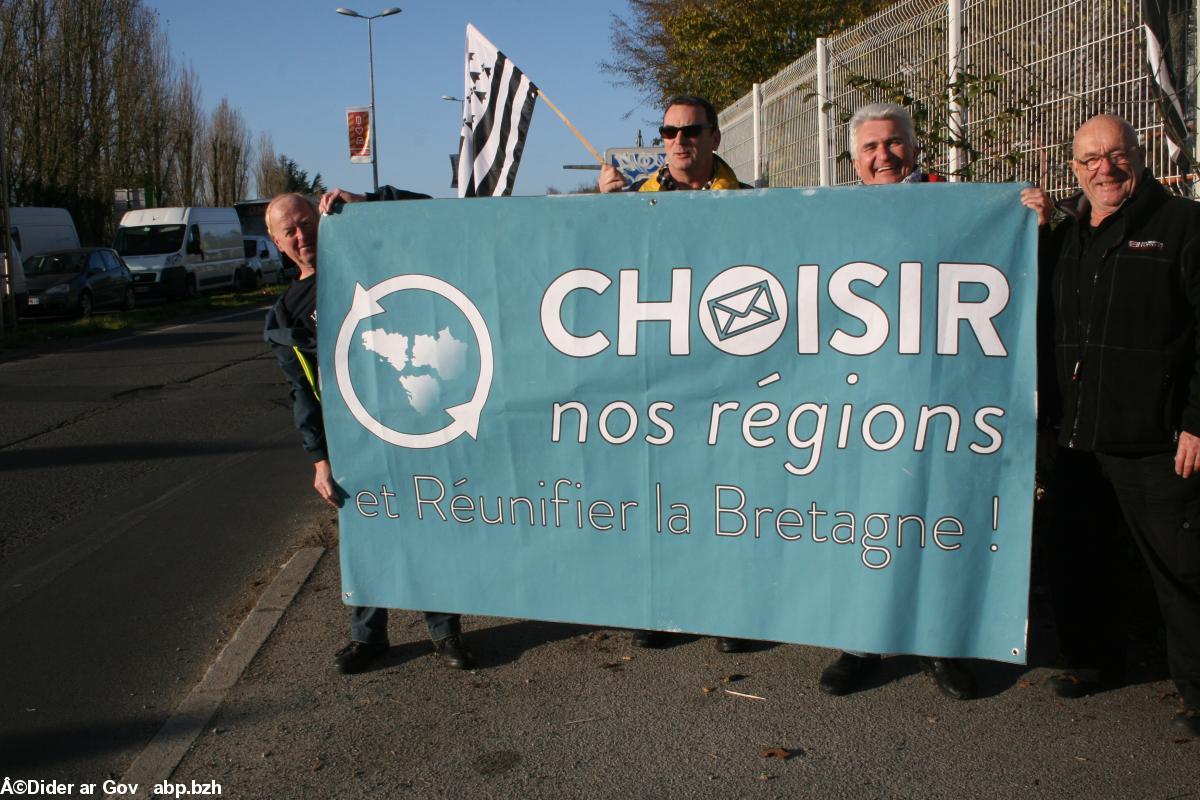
pixel 49 457
pixel 46 747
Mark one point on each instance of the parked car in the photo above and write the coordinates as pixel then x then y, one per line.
pixel 34 231
pixel 76 282
pixel 263 264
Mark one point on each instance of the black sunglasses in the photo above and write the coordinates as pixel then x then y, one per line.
pixel 690 131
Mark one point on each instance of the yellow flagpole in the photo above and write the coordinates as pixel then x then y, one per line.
pixel 574 130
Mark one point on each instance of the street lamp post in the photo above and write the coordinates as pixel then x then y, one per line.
pixel 387 12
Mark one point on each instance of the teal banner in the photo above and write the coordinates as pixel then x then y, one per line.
pixel 797 415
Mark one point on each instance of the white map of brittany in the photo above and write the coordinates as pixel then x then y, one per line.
pixel 439 358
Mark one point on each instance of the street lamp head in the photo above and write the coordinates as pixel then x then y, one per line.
pixel 349 12
pixel 452 99
pixel 388 12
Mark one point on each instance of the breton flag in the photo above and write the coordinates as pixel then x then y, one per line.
pixel 1161 57
pixel 497 106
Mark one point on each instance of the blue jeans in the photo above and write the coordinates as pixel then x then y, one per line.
pixel 368 624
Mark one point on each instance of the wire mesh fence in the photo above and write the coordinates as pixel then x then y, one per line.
pixel 1033 71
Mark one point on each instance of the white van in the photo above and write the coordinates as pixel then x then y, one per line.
pixel 34 231
pixel 176 252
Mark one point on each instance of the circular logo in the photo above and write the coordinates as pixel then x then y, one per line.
pixel 413 361
pixel 743 310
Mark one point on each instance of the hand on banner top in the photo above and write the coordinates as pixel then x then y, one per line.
pixel 1039 202
pixel 332 200
pixel 611 179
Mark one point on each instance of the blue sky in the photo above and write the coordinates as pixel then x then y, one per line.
pixel 292 69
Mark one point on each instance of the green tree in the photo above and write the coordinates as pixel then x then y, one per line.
pixel 276 174
pixel 719 48
pixel 296 179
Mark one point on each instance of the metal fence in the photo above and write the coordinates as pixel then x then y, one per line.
pixel 1056 62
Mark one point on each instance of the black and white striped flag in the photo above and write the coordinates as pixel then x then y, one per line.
pixel 497 106
pixel 1161 55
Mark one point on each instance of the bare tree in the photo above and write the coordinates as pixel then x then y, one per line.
pixel 228 155
pixel 189 132
pixel 93 103
pixel 269 178
pixel 145 101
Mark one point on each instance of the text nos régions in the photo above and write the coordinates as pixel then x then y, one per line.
pixel 805 425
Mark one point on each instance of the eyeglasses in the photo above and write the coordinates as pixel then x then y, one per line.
pixel 1118 158
pixel 690 131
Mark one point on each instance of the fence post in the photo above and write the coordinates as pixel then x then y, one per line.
pixel 954 121
pixel 756 94
pixel 822 116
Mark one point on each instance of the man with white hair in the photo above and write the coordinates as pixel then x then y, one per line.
pixel 883 146
pixel 884 150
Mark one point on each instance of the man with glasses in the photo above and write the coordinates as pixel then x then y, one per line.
pixel 1125 285
pixel 691 137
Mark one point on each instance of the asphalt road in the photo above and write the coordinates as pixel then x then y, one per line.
pixel 149 484
pixel 567 711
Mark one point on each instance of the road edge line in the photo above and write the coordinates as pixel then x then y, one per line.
pixel 159 759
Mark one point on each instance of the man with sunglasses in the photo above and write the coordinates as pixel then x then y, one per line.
pixel 1124 269
pixel 691 137
pixel 884 149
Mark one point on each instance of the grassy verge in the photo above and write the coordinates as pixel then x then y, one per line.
pixel 35 332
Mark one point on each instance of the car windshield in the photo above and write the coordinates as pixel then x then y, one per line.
pixel 56 264
pixel 149 240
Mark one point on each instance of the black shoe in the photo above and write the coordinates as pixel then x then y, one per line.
pixel 846 672
pixel 649 639
pixel 355 656
pixel 1081 682
pixel 1187 722
pixel 951 677
pixel 726 644
pixel 454 653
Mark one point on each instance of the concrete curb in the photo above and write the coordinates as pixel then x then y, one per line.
pixel 156 763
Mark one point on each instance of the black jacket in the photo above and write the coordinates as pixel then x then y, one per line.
pixel 1124 336
pixel 292 341
pixel 290 329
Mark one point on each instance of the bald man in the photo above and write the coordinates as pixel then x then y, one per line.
pixel 1125 287
pixel 291 330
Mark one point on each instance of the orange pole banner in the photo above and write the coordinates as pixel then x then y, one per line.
pixel 358 125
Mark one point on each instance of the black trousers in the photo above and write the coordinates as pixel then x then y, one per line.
pixel 1100 499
